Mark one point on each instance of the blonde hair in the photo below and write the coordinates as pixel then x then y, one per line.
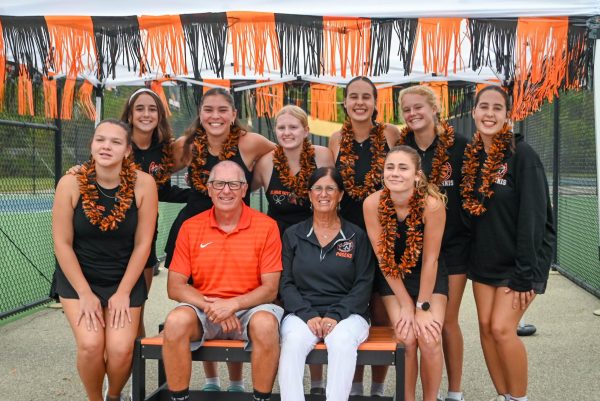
pixel 430 98
pixel 295 112
pixel 422 185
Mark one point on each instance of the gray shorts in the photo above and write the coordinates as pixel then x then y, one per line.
pixel 213 331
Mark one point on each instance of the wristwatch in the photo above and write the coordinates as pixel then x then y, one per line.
pixel 423 305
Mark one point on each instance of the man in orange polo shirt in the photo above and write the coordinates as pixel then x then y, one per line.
pixel 233 255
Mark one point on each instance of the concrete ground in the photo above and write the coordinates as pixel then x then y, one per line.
pixel 37 352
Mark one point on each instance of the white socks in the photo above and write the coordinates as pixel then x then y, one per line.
pixel 455 395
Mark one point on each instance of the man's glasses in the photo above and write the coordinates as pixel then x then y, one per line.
pixel 233 185
pixel 329 189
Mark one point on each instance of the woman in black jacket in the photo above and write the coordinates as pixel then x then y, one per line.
pixel 504 189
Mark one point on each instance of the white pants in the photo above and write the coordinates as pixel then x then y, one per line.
pixel 297 341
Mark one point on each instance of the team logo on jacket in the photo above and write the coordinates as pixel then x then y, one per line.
pixel 502 170
pixel 446 173
pixel 344 249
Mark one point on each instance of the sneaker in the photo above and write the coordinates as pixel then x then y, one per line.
pixel 121 398
pixel 526 330
pixel 462 399
pixel 499 397
pixel 235 389
pixel 317 391
pixel 210 387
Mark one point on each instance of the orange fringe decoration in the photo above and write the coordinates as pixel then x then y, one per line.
pixel 385 105
pixel 348 39
pixel 164 44
pixel 269 99
pixel 541 62
pixel 225 83
pixel 50 97
pixel 252 36
pixel 73 44
pixel 2 68
pixel 439 37
pixel 157 87
pixel 441 92
pixel 66 108
pixel 323 102
pixel 73 50
pixel 85 98
pixel 25 90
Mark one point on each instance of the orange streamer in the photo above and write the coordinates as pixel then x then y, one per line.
pixel 25 92
pixel 85 99
pixel 441 92
pixel 323 102
pixel 157 87
pixel 225 83
pixel 253 39
pixel 385 105
pixel 541 62
pixel 163 44
pixel 439 38
pixel 349 41
pixel 50 97
pixel 66 108
pixel 73 44
pixel 269 99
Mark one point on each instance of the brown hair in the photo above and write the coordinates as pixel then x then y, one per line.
pixel 163 132
pixel 368 81
pixel 190 132
pixel 118 123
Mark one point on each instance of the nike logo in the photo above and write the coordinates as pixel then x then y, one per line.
pixel 202 245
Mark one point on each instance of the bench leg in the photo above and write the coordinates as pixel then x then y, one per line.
pixel 138 376
pixel 399 374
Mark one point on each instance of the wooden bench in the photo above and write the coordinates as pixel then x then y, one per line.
pixel 379 349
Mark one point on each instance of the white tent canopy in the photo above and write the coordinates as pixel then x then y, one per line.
pixel 355 8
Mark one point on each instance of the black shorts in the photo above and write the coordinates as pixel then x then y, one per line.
pixel 537 286
pixel 412 283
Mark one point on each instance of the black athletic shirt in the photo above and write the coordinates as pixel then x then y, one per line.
pixel 150 162
pixel 351 209
pixel 103 255
pixel 512 241
pixel 284 206
pixel 199 202
pixel 455 243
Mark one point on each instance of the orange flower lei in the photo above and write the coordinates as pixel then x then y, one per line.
pixel 163 174
pixel 89 195
pixel 298 184
pixel 373 178
pixel 414 234
pixel 489 172
pixel 441 156
pixel 200 154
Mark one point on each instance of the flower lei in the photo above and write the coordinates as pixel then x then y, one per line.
pixel 200 155
pixel 163 174
pixel 373 178
pixel 298 184
pixel 441 156
pixel 89 195
pixel 414 234
pixel 489 172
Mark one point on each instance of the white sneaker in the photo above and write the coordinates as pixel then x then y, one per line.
pixel 499 397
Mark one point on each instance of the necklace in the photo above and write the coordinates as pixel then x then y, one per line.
pixel 440 157
pixel 348 159
pixel 200 155
pixel 414 234
pixel 298 184
pixel 489 172
pixel 99 188
pixel 88 189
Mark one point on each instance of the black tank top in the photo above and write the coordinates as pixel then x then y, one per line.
pixel 284 206
pixel 104 255
pixel 199 202
pixel 351 209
